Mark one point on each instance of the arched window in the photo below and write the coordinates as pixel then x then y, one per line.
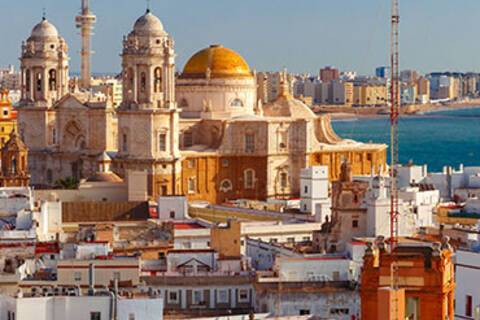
pixel 283 180
pixel 249 178
pixel 157 84
pixel 52 80
pixel 162 142
pixel 14 165
pixel 130 77
pixel 39 81
pixel 28 80
pixel 124 142
pixel 226 185
pixel 192 185
pixel 237 103
pixel 143 82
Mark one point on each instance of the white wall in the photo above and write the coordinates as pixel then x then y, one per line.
pixel 178 206
pixel 141 309
pixel 79 308
pixel 467 278
pixel 324 268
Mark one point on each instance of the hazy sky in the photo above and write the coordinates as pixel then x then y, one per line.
pixel 301 35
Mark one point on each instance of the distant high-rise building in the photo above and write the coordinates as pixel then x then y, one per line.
pixel 409 76
pixel 328 74
pixel 269 85
pixel 382 72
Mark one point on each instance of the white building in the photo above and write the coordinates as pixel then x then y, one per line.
pixel 315 198
pixel 172 208
pixel 80 308
pixel 467 279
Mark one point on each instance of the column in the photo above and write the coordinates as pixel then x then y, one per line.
pixel 135 84
pixel 45 91
pixel 150 79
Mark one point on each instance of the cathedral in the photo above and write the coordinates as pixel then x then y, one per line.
pixel 201 133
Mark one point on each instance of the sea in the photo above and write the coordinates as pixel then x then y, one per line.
pixel 450 137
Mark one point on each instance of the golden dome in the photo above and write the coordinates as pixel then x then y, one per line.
pixel 216 61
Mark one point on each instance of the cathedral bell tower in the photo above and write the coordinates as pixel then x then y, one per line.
pixel 148 117
pixel 44 66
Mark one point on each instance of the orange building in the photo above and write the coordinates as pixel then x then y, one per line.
pixel 425 272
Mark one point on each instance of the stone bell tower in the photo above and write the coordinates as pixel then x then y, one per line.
pixel 44 79
pixel 44 66
pixel 148 118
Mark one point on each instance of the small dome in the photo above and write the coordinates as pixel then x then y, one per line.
pixel 105 177
pixel 44 30
pixel 148 24
pixel 218 62
pixel 287 106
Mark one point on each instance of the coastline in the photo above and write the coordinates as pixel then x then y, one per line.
pixel 354 113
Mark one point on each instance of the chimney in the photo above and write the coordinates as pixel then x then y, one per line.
pixel 91 279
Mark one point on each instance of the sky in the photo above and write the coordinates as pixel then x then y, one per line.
pixel 300 35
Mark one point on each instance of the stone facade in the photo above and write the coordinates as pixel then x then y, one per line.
pixel 203 135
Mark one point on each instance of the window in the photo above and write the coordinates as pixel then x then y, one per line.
pixel 250 143
pixel 54 136
pixel 249 176
pixel 243 295
pixel 273 240
pixel 10 315
pixel 355 224
pixel 237 103
pixel 304 312
pixel 27 80
pixel 226 185
pixel 187 139
pixel 52 80
pixel 291 240
pixel 157 84
pixel 172 296
pixel 162 142
pixel 77 276
pixel 143 82
pixel 339 311
pixel 305 208
pixel 95 315
pixel 172 214
pixel 225 163
pixel 306 239
pixel 124 142
pixel 131 316
pixel 5 113
pixel 305 189
pixel 183 103
pixel 468 306
pixel 283 180
pixel 197 297
pixel 39 82
pixel 49 176
pixel 192 185
pixel 283 139
pixel 222 296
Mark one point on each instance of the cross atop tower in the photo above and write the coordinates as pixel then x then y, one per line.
pixel 44 13
pixel 148 5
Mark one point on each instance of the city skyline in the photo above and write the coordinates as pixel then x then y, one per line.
pixel 273 37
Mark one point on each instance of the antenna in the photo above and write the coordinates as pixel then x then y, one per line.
pixel 394 138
